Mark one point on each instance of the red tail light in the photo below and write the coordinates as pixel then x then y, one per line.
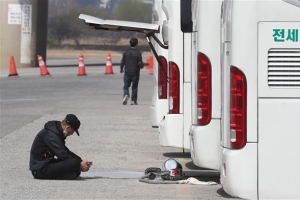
pixel 203 89
pixel 162 78
pixel 174 77
pixel 238 108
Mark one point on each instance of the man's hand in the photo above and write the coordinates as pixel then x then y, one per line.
pixel 85 165
pixel 141 65
pixel 121 71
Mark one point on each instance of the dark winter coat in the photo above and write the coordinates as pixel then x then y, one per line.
pixel 133 62
pixel 49 146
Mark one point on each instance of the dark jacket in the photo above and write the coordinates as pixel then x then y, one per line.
pixel 133 62
pixel 49 146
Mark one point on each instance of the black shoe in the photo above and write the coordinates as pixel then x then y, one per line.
pixel 126 97
pixel 134 103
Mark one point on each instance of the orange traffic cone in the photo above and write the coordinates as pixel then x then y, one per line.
pixel 81 67
pixel 148 63
pixel 12 68
pixel 43 68
pixel 150 66
pixel 109 68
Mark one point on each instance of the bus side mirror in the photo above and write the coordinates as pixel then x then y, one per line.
pixel 186 22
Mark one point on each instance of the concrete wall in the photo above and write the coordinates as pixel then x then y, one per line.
pixel 11 44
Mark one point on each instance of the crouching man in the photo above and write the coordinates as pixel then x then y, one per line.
pixel 49 156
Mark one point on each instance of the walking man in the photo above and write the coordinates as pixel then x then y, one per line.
pixel 49 156
pixel 133 62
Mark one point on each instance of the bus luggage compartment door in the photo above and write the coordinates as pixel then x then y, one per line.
pixel 278 148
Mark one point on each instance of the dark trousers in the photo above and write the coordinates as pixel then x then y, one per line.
pixel 66 169
pixel 135 84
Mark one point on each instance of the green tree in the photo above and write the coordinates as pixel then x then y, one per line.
pixel 68 26
pixel 58 30
pixel 133 10
pixel 76 26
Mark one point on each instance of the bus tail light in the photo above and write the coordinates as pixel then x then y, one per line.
pixel 238 108
pixel 174 80
pixel 203 89
pixel 162 78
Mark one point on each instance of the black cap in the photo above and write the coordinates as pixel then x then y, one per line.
pixel 73 121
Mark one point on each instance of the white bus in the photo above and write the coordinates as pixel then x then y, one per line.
pixel 174 127
pixel 206 85
pixel 159 104
pixel 261 99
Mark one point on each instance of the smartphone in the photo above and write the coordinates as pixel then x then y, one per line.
pixel 89 164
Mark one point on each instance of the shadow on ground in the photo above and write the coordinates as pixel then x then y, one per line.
pixel 177 155
pixel 222 193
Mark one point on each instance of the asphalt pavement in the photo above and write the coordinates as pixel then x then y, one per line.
pixel 115 137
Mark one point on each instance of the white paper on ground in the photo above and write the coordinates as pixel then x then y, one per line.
pixel 194 181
